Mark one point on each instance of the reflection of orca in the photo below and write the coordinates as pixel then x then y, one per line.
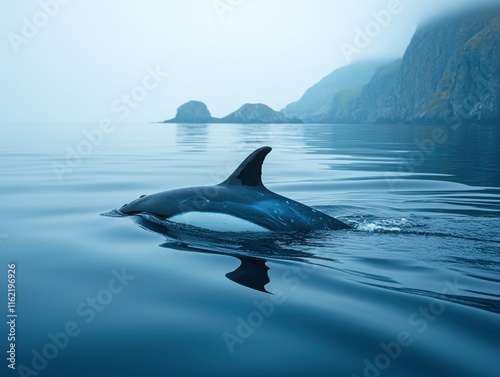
pixel 253 250
pixel 251 273
pixel 240 203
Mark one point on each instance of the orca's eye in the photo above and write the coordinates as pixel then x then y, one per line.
pixel 142 196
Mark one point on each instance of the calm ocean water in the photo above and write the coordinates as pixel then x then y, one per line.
pixel 413 290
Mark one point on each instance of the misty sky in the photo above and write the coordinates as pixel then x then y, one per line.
pixel 68 60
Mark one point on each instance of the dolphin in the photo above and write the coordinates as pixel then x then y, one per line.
pixel 240 203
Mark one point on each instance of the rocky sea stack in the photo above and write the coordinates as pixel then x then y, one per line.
pixel 258 113
pixel 192 112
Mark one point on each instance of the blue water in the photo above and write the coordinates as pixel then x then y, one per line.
pixel 413 290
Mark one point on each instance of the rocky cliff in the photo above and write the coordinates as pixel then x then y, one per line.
pixel 365 104
pixel 449 73
pixel 317 101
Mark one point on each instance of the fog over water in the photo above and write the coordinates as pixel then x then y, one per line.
pixel 73 61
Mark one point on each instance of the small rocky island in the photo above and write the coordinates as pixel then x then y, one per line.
pixel 193 112
pixel 197 112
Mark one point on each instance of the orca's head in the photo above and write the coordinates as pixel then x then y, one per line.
pixel 136 206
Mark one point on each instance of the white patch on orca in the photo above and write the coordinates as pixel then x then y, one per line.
pixel 218 222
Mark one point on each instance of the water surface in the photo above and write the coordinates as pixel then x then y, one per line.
pixel 413 290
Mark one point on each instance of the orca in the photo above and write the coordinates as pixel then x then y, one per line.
pixel 240 203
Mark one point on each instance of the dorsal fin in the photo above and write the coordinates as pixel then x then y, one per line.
pixel 249 172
